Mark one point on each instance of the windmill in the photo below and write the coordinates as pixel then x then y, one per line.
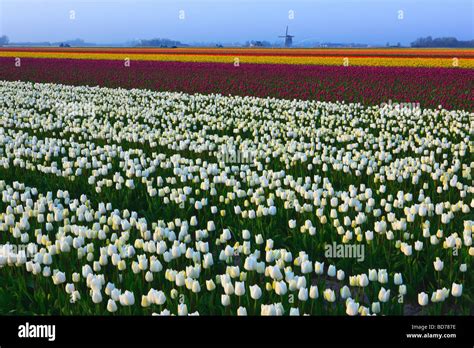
pixel 288 38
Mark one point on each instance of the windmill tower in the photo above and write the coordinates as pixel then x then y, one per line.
pixel 288 38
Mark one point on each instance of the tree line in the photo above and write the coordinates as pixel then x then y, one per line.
pixel 441 42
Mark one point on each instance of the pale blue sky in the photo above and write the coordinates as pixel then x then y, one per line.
pixel 114 21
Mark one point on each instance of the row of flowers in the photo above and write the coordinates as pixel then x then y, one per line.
pixel 446 62
pixel 236 52
pixel 123 202
pixel 152 258
pixel 450 88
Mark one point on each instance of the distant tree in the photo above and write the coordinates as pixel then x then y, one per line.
pixel 258 43
pixel 160 43
pixel 423 42
pixel 4 40
pixel 441 42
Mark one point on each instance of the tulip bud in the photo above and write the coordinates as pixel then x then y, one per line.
pixel 195 287
pixel 303 294
pixel 329 295
pixel 438 264
pixel 306 267
pixel 47 259
pixel 225 300
pixel 121 265
pixel 345 292
pixel 59 278
pixel 111 306
pixel 384 295
pixel 76 277
pixel 313 292
pixel 418 245
pixel 127 298
pixel 319 267
pixel 362 280
pixel 210 285
pixel 182 309
pixel 239 288
pixel 255 292
pixel 242 311
pixel 281 288
pixel 382 276
pixel 373 276
pixel 115 294
pixel 376 307
pixel 422 299
pixel 352 308
pixel 96 297
pixel 145 303
pixel 294 312
pixel 456 290
pixel 149 276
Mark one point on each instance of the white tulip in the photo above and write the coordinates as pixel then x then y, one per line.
pixel 422 299
pixel 225 300
pixel 329 295
pixel 255 292
pixel 239 288
pixel 59 278
pixel 241 311
pixel 352 308
pixel 303 294
pixel 111 306
pixel 127 298
pixel 96 297
pixel 438 264
pixel 456 290
pixel 182 309
pixel 397 279
pixel 294 312
pixel 384 295
pixel 313 292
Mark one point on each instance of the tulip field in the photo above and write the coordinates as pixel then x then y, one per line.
pixel 426 77
pixel 203 188
pixel 447 58
pixel 126 204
